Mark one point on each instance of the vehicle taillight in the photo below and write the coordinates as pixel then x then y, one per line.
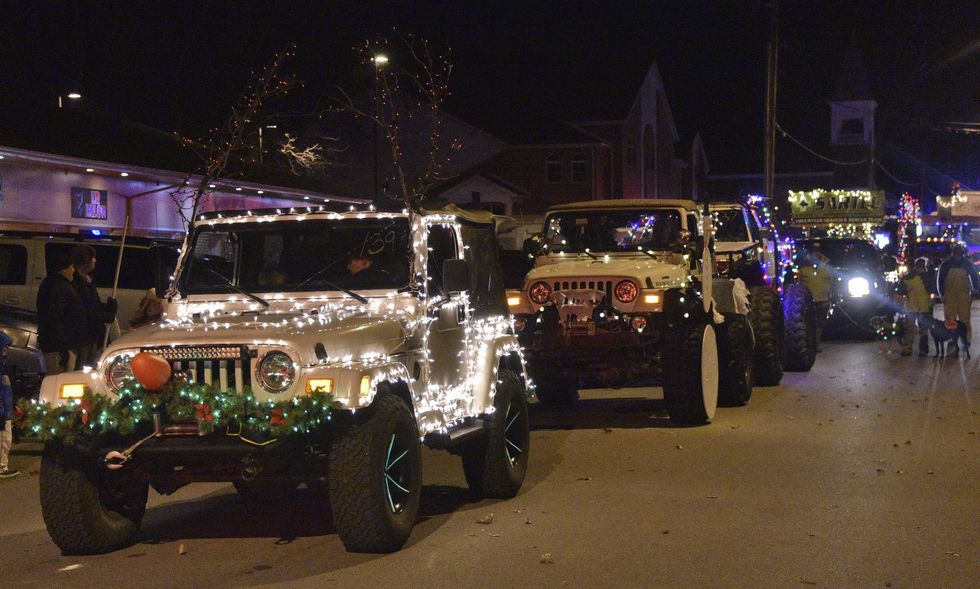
pixel 539 292
pixel 626 291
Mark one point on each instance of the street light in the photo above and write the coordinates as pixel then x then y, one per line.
pixel 71 96
pixel 379 61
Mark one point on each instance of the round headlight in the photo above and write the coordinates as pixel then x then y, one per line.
pixel 117 372
pixel 626 291
pixel 539 292
pixel 276 372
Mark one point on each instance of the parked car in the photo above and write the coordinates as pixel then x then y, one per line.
pixel 25 362
pixel 24 261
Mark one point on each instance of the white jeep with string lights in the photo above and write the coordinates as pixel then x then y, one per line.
pixel 623 293
pixel 401 317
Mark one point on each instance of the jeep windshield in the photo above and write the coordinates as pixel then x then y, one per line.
pixel 842 253
pixel 612 231
pixel 304 256
pixel 730 225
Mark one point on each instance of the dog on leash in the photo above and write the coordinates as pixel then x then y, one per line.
pixel 950 332
pixel 889 332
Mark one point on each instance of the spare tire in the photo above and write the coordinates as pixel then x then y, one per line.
pixel 801 329
pixel 767 326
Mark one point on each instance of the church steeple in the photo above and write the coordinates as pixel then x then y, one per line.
pixel 852 121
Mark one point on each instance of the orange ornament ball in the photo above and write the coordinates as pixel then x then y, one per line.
pixel 151 370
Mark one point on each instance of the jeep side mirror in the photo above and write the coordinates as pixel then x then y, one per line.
pixel 455 276
pixel 165 257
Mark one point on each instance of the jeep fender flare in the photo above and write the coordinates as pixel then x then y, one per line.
pixel 488 360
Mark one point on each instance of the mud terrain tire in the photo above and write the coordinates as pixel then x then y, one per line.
pixel 88 509
pixel 495 464
pixel 767 326
pixel 375 478
pixel 801 329
pixel 735 378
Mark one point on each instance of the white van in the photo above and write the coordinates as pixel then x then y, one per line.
pixel 23 265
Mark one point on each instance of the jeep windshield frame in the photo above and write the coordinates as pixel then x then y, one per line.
pixel 312 255
pixel 613 230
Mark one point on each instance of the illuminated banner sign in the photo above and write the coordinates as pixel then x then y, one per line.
pixel 965 203
pixel 87 203
pixel 817 207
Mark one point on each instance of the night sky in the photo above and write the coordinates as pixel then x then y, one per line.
pixel 179 65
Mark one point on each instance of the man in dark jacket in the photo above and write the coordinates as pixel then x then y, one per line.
pixel 61 320
pixel 97 313
pixel 6 412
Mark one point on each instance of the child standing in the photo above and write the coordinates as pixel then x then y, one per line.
pixel 6 412
pixel 918 308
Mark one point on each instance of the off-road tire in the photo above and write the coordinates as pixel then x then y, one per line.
pixel 495 464
pixel 735 378
pixel 768 328
pixel 265 490
pixel 87 508
pixel 360 496
pixel 557 392
pixel 687 400
pixel 800 349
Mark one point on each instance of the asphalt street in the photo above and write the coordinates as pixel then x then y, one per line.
pixel 864 472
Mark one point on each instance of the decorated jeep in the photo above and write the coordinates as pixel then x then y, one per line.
pixel 783 313
pixel 623 293
pixel 298 346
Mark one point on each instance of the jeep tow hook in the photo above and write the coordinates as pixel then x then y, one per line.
pixel 115 460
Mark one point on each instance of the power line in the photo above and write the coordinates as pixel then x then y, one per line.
pixel 823 157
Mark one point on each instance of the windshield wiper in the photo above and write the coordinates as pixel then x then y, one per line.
pixel 238 289
pixel 588 253
pixel 332 285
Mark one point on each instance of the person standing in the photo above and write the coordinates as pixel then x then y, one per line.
pixel 918 307
pixel 61 320
pixel 6 412
pixel 956 281
pixel 815 275
pixel 97 313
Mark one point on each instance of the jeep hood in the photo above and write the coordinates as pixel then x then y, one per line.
pixel 343 333
pixel 660 272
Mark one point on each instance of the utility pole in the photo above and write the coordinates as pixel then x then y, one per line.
pixel 772 68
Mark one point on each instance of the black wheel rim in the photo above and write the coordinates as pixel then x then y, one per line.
pixel 514 434
pixel 398 473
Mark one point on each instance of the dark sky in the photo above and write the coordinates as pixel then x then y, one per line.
pixel 179 65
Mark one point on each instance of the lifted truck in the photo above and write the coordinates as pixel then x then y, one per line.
pixel 623 293
pixel 418 346
pixel 783 316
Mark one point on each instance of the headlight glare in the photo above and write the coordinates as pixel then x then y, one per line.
pixel 276 372
pixel 858 287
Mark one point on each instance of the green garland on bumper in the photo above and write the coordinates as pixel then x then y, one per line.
pixel 134 410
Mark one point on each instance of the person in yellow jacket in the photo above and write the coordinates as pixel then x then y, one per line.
pixel 918 308
pixel 815 274
pixel 956 282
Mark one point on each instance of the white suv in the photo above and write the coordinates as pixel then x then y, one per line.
pixel 401 317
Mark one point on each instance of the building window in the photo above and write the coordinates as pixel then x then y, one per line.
pixel 552 169
pixel 580 169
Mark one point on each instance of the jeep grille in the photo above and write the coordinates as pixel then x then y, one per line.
pixel 226 367
pixel 603 285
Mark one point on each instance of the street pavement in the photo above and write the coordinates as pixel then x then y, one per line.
pixel 864 472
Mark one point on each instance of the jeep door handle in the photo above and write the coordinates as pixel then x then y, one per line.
pixel 11 300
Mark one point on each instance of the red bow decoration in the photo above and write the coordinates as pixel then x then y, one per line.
pixel 204 413
pixel 85 407
pixel 277 418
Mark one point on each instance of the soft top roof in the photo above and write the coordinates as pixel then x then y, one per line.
pixel 626 203
pixel 481 217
